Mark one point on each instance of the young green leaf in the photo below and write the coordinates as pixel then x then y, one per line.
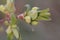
pixel 14 26
pixel 33 14
pixel 27 19
pixel 9 33
pixel 10 1
pixel 44 15
pixel 2 8
pixel 13 19
pixel 9 30
pixel 15 32
pixel 10 6
pixel 10 36
pixel 34 23
pixel 44 18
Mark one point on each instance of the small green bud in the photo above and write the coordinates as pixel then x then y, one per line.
pixel 34 22
pixel 35 8
pixel 27 19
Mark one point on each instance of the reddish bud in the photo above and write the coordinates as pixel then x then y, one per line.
pixel 1 21
pixel 8 16
pixel 20 16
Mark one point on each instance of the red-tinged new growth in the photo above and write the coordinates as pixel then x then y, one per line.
pixel 20 16
pixel 8 16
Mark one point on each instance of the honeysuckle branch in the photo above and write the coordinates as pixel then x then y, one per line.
pixel 30 16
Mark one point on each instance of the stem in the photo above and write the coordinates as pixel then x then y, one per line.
pixel 20 38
